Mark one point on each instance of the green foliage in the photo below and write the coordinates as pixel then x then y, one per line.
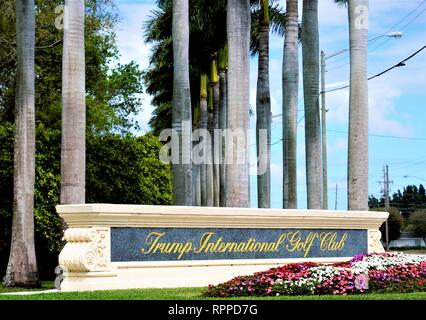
pixel 207 36
pixel 111 89
pixel 409 200
pixel 417 223
pixel 395 224
pixel 46 194
pixel 127 170
pixel 119 170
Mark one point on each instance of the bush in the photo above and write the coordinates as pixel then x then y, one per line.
pixel 395 224
pixel 417 223
pixel 119 170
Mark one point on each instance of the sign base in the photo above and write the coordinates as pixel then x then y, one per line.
pixel 136 246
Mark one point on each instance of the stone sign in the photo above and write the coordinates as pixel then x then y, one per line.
pixel 174 244
pixel 136 246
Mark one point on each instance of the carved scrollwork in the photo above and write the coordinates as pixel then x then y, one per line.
pixel 86 250
pixel 374 243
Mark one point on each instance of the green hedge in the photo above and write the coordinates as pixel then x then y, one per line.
pixel 120 169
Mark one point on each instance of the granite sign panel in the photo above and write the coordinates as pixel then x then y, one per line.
pixel 178 244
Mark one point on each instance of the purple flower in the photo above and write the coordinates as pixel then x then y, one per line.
pixel 361 282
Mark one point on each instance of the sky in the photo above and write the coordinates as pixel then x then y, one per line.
pixel 397 99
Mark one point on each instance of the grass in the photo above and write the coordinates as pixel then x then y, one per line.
pixel 45 285
pixel 188 294
pixel 411 251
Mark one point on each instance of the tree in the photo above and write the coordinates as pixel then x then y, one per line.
pixel 395 223
pixel 73 151
pixel 263 110
pixel 22 266
pixel 290 104
pixel 358 106
pixel 112 89
pixel 417 223
pixel 223 75
pixel 310 53
pixel 181 111
pixel 215 95
pixel 238 34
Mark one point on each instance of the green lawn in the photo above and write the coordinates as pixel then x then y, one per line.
pixel 45 285
pixel 188 294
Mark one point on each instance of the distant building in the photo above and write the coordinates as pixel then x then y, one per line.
pixel 407 240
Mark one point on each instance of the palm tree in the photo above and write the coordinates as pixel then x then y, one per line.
pixel 310 53
pixel 358 106
pixel 209 150
pixel 22 267
pixel 290 102
pixel 73 151
pixel 223 75
pixel 263 110
pixel 203 126
pixel 238 35
pixel 181 110
pixel 214 82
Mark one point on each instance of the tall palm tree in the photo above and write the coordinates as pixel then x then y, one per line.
pixel 263 110
pixel 203 125
pixel 181 110
pixel 238 35
pixel 358 106
pixel 310 53
pixel 290 102
pixel 214 82
pixel 209 150
pixel 22 266
pixel 222 65
pixel 73 151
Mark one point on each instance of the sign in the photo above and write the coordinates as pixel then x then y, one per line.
pixel 178 244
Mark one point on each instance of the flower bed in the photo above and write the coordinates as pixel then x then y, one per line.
pixel 378 273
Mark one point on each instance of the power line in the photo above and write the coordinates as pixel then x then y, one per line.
pixel 399 64
pixel 386 40
pixel 383 136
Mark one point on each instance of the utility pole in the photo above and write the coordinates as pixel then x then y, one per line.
pixel 324 57
pixel 335 200
pixel 323 135
pixel 386 183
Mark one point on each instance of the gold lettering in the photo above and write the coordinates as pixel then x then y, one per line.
pixel 186 248
pixel 329 241
pixel 152 240
pixel 204 242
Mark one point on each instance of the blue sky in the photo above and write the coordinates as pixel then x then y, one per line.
pixel 397 100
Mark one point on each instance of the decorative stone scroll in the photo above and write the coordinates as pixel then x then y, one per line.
pixel 374 244
pixel 87 249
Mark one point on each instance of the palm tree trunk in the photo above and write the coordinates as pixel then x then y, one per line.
pixel 290 103
pixel 263 111
pixel 310 53
pixel 358 107
pixel 73 151
pixel 223 58
pixel 22 266
pixel 203 126
pixel 181 111
pixel 209 145
pixel 237 155
pixel 215 124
